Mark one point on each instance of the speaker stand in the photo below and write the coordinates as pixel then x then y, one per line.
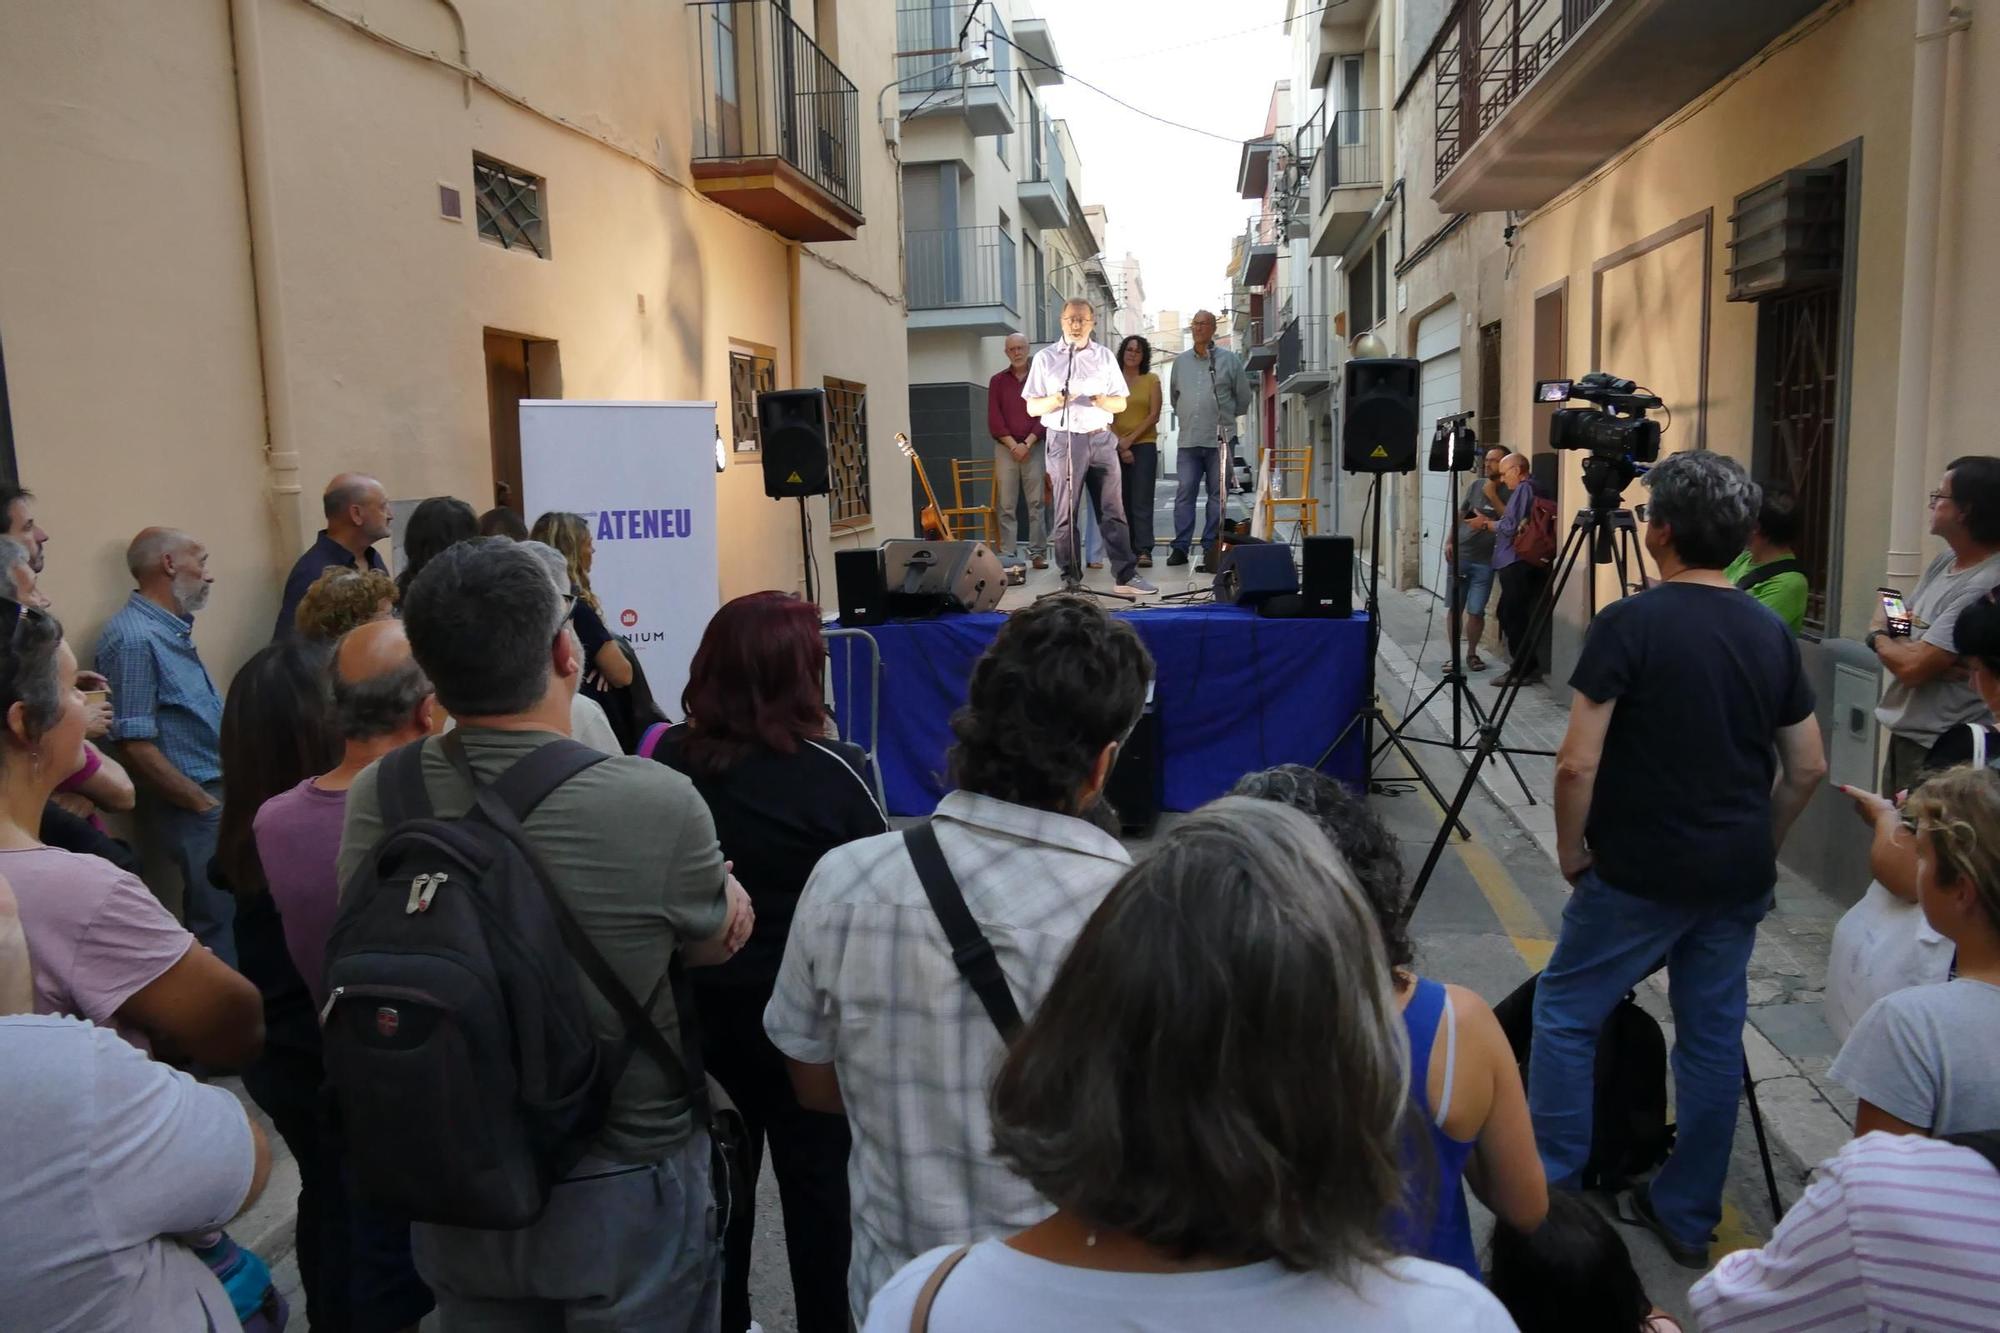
pixel 806 546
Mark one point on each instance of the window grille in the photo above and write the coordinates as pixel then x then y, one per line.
pixel 510 207
pixel 749 375
pixel 847 451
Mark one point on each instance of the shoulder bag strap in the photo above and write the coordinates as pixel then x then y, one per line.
pixel 503 805
pixel 650 742
pixel 399 786
pixel 1750 578
pixel 970 949
pixel 920 1315
pixel 1978 744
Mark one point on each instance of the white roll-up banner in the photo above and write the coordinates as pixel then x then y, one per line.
pixel 643 477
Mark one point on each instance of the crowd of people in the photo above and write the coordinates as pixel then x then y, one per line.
pixel 1006 1075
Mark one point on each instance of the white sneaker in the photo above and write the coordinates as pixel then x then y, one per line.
pixel 1136 587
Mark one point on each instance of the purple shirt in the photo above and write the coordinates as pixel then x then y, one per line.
pixel 96 934
pixel 298 842
pixel 1520 505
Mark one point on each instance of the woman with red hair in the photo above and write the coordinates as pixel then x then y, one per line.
pixel 783 793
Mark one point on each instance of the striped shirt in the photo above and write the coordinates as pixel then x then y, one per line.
pixel 160 691
pixel 1896 1232
pixel 868 985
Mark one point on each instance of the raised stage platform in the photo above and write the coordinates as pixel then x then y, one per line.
pixel 1234 693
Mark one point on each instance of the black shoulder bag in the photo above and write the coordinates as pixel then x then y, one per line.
pixel 970 949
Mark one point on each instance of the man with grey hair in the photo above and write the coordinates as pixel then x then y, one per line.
pixel 1209 390
pixel 167 719
pixel 17 575
pixel 357 516
pixel 1075 387
pixel 587 722
pixel 1018 455
pixel 1690 700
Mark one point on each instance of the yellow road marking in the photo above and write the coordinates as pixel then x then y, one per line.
pixel 1528 932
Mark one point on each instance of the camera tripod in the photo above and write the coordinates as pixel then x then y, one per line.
pixel 1611 535
pixel 1454 679
pixel 1372 712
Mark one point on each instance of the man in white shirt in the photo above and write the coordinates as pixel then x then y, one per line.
pixel 1075 387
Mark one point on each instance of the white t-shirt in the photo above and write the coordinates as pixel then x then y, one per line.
pixel 104 1154
pixel 1090 372
pixel 998 1289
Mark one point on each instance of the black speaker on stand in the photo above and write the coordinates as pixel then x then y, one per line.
pixel 1378 397
pixel 792 430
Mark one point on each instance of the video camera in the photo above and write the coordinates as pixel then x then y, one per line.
pixel 1620 438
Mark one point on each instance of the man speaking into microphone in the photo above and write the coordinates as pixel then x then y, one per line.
pixel 1075 387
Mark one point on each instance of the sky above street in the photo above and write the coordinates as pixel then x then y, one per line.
pixel 1169 195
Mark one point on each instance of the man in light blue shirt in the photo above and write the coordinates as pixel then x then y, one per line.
pixel 167 719
pixel 1075 387
pixel 1209 392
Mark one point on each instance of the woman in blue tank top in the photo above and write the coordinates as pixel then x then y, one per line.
pixel 1468 1121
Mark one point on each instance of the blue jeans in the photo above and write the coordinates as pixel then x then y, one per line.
pixel 1610 942
pixel 1191 466
pixel 188 840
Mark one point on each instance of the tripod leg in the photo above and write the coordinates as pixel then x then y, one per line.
pixel 1489 735
pixel 1763 1148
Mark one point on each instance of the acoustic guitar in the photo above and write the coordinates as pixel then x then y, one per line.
pixel 932 519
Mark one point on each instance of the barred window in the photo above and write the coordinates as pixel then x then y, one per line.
pixel 510 207
pixel 750 373
pixel 847 451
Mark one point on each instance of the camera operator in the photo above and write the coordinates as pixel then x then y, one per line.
pixel 1668 825
pixel 1928 693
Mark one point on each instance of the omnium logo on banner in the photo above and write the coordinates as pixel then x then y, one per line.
pixel 642 476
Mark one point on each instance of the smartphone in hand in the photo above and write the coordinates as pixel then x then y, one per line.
pixel 1894 612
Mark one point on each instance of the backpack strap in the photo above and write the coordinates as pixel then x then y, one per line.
pixel 503 805
pixel 1985 1142
pixel 1750 578
pixel 920 1314
pixel 650 741
pixel 971 951
pixel 399 786
pixel 1978 744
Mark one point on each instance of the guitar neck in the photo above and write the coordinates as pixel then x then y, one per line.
pixel 931 495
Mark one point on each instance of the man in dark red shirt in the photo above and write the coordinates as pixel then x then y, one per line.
pixel 1018 459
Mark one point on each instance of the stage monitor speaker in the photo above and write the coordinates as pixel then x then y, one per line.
pixel 1326 577
pixel 857 577
pixel 1133 789
pixel 1249 574
pixel 926 578
pixel 792 430
pixel 1378 397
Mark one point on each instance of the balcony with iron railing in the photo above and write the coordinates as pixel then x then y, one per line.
pixel 1044 183
pixel 1533 95
pixel 1304 354
pixel 777 125
pixel 962 278
pixel 1347 175
pixel 935 81
pixel 1257 251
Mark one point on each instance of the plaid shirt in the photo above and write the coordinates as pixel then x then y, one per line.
pixel 160 691
pixel 868 985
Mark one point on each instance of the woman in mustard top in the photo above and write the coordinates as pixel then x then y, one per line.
pixel 1137 429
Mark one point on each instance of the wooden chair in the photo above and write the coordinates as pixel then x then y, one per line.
pixel 1290 491
pixel 972 485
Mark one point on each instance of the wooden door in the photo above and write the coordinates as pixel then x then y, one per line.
pixel 506 386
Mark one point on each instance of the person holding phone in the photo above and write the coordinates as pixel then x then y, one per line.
pixel 1927 694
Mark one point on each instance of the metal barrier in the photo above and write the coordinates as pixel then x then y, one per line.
pixel 843 727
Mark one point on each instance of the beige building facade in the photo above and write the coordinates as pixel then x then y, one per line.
pixel 253 243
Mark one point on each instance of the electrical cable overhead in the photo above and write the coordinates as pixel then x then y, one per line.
pixel 1070 77
pixel 1226 36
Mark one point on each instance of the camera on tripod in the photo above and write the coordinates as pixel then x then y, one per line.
pixel 1620 438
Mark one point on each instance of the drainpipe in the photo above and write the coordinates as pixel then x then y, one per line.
pixel 1910 476
pixel 281 458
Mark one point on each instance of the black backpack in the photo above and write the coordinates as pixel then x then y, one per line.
pixel 1629 1133
pixel 457 1044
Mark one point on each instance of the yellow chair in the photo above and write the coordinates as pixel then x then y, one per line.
pixel 1289 490
pixel 973 477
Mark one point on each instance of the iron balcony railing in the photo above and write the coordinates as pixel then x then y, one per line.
pixel 1044 160
pixel 768 91
pixel 1495 49
pixel 1352 151
pixel 960 266
pixel 927 50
